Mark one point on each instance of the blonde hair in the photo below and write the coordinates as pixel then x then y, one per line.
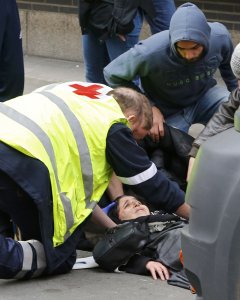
pixel 129 99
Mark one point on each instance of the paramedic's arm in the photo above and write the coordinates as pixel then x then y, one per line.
pixel 115 188
pixel 133 168
pixel 101 219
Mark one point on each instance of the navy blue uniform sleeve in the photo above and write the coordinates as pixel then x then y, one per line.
pixel 133 167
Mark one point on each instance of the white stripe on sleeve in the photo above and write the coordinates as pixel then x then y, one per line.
pixel 141 177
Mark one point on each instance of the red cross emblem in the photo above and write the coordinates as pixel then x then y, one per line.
pixel 90 91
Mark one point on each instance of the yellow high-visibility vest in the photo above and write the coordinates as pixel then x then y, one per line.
pixel 65 126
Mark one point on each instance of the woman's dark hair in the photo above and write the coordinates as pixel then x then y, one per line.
pixel 113 211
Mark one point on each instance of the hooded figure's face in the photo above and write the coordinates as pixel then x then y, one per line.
pixel 189 51
pixel 189 33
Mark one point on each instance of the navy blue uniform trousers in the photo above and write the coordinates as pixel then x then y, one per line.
pixel 11 53
pixel 15 203
pixel 18 206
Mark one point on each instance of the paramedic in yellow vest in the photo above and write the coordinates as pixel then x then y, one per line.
pixel 58 148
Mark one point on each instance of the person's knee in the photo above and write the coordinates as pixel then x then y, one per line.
pixel 66 266
pixel 10 258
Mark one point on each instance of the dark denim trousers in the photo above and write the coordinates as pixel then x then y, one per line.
pixel 98 54
pixel 164 10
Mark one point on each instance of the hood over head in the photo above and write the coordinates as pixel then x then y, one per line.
pixel 188 23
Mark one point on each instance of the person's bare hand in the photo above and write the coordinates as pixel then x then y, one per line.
pixel 157 130
pixel 157 270
pixel 190 166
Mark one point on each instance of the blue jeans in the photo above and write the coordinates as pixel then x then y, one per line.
pixel 164 10
pixel 201 111
pixel 98 54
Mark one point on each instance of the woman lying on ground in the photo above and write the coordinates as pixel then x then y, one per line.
pixel 161 256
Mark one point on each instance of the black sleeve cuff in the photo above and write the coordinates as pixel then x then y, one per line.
pixel 137 265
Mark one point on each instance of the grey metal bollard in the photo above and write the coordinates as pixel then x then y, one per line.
pixel 211 243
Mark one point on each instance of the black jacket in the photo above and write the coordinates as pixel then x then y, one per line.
pixel 171 153
pixel 106 18
pixel 164 246
pixel 223 119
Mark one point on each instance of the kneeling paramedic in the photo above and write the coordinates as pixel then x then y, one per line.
pixel 58 148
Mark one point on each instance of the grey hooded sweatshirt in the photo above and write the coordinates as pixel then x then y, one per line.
pixel 169 81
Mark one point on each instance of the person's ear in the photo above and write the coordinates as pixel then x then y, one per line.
pixel 132 119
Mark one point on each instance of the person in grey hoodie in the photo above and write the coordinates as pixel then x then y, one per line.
pixel 176 69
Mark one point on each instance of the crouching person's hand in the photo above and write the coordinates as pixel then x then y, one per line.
pixel 157 270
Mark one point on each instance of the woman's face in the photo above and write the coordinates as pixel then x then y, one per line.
pixel 130 208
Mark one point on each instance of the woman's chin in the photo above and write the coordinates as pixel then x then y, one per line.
pixel 141 214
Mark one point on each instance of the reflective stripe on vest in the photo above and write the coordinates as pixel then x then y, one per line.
pixel 81 144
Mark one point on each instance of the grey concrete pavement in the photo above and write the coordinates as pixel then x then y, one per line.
pixel 42 71
pixel 92 284
pixel 85 283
